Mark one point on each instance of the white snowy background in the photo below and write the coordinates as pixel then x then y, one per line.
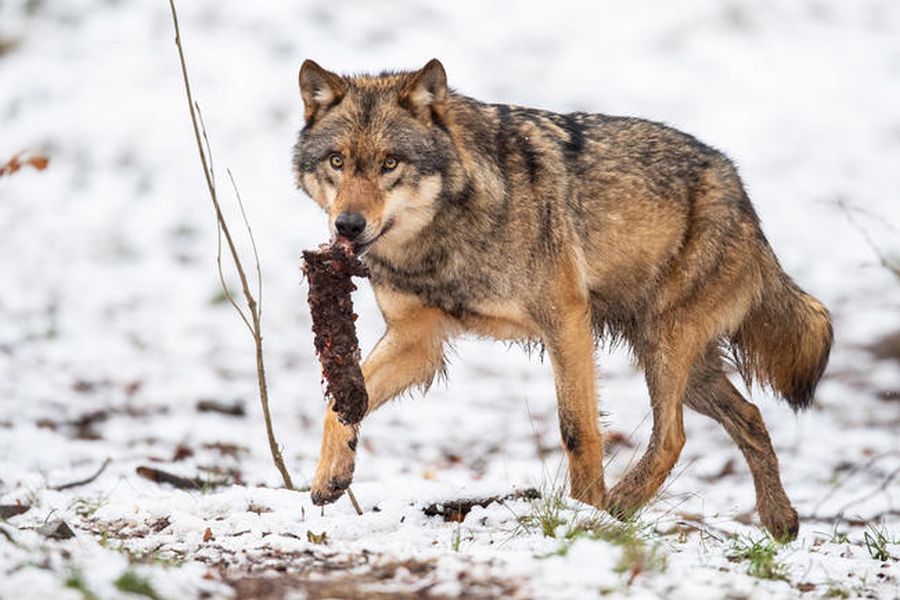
pixel 112 326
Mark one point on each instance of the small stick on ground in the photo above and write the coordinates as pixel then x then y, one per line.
pixel 86 481
pixel 353 501
pixel 235 409
pixel 183 483
pixel 253 323
pixel 160 476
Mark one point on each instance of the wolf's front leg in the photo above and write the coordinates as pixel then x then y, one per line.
pixel 570 346
pixel 410 353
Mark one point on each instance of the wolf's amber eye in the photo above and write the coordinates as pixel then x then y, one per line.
pixel 336 161
pixel 389 164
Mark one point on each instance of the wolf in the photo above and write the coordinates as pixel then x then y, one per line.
pixel 522 224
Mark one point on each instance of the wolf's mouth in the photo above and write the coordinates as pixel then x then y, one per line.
pixel 361 247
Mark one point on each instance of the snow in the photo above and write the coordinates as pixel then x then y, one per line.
pixel 109 283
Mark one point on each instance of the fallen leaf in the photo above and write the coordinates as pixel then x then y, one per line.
pixel 39 162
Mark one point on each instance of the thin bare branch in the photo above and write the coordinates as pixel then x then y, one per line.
pixel 225 289
pixel 847 478
pixel 259 287
pixel 209 156
pixel 891 265
pixel 254 321
pixel 882 487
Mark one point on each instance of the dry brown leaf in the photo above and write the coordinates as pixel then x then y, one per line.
pixel 39 162
pixel 16 162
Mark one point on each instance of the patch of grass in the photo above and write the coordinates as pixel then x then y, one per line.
pixel 640 552
pixel 554 518
pixel 257 508
pixel 838 537
pixel 164 557
pixel 131 582
pixel 76 581
pixel 86 507
pixel 836 590
pixel 157 556
pixel 877 540
pixel 760 556
pixel 456 538
pixel 546 513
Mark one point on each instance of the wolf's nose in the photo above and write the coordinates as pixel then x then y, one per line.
pixel 350 225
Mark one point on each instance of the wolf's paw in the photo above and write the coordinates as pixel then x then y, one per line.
pixel 329 492
pixel 783 523
pixel 623 502
pixel 333 475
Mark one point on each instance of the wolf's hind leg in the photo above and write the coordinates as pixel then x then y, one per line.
pixel 409 353
pixel 667 363
pixel 711 394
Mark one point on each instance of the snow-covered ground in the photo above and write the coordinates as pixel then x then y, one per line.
pixel 112 327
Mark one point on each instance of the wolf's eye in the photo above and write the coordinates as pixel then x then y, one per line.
pixel 389 164
pixel 336 161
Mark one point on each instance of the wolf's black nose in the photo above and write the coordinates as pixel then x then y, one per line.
pixel 350 225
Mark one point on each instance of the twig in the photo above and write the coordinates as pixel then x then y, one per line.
pixel 235 409
pixel 871 494
pixel 72 484
pixel 259 287
pixel 700 528
pixel 856 521
pixel 354 502
pixel 160 476
pixel 9 537
pixel 838 485
pixel 252 305
pixel 891 265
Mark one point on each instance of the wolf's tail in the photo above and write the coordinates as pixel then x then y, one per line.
pixel 784 341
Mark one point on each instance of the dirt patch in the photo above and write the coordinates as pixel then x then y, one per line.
pixel 395 580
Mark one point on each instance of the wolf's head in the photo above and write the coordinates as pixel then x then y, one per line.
pixel 375 152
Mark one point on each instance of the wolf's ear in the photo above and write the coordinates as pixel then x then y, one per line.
pixel 425 92
pixel 320 89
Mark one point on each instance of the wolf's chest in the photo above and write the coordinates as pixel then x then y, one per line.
pixel 447 293
pixel 456 291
